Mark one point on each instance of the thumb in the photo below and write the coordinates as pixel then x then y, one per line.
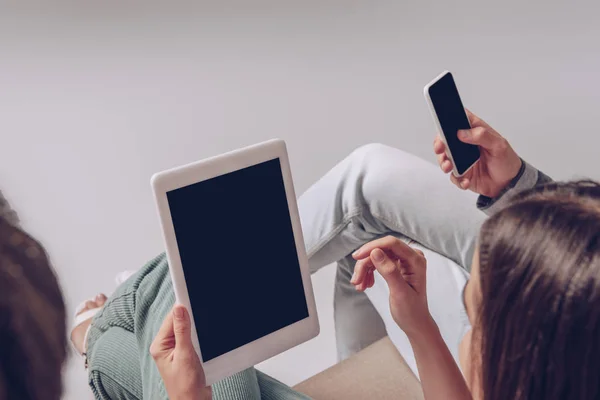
pixel 480 136
pixel 182 328
pixel 389 271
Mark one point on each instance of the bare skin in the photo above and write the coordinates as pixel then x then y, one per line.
pixel 472 299
pixel 78 333
pixel 404 270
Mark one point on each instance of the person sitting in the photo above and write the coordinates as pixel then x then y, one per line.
pixel 525 330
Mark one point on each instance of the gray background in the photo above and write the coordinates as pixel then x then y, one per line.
pixel 94 98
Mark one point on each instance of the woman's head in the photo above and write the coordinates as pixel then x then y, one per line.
pixel 537 291
pixel 32 317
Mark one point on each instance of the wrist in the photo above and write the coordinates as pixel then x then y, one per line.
pixel 513 174
pixel 516 173
pixel 516 170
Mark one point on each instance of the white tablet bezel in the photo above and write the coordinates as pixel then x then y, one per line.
pixel 276 342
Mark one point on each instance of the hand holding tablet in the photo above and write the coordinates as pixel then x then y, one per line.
pixel 217 216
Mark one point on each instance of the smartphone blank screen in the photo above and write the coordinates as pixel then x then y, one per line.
pixel 239 258
pixel 451 114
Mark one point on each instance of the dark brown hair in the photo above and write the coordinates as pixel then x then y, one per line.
pixel 32 319
pixel 538 326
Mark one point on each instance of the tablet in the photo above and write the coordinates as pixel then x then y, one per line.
pixel 236 256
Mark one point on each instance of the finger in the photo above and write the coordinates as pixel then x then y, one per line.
pixel 367 283
pixel 184 348
pixel 90 304
pixel 480 136
pixel 446 166
pixel 388 269
pixel 438 146
pixel 364 284
pixel 371 281
pixel 361 286
pixel 368 278
pixel 389 243
pixel 474 120
pixel 182 327
pixel 361 269
pixel 461 183
pixel 455 180
pixel 164 339
pixel 441 158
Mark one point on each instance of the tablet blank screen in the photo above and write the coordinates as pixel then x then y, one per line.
pixel 239 257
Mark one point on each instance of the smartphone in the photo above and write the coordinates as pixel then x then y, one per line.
pixel 450 116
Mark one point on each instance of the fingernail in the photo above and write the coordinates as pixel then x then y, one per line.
pixel 179 313
pixel 356 253
pixel 377 255
pixel 463 134
pixel 98 297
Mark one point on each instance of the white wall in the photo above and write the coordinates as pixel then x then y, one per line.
pixel 95 98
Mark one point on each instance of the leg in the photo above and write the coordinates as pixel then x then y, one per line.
pixel 154 299
pixel 113 366
pixel 357 322
pixel 113 354
pixel 137 309
pixel 377 191
pixel 241 386
pixel 272 389
pixel 114 373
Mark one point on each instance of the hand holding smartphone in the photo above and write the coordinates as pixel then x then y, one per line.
pixel 482 160
pixel 450 116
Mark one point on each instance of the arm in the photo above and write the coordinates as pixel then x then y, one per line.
pixel 526 178
pixel 404 270
pixel 440 376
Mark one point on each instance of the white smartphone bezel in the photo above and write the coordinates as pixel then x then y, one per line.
pixel 439 127
pixel 276 342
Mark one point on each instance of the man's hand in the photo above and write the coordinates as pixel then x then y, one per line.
pixel 177 360
pixel 404 270
pixel 498 164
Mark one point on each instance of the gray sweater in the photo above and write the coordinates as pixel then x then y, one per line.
pixel 527 178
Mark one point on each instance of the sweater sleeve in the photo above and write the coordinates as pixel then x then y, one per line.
pixel 527 178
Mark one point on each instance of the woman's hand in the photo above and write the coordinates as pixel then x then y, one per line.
pixel 404 270
pixel 498 164
pixel 177 360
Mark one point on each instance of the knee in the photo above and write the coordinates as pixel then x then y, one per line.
pixel 382 166
pixel 113 357
pixel 370 151
pixel 377 158
pixel 374 155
